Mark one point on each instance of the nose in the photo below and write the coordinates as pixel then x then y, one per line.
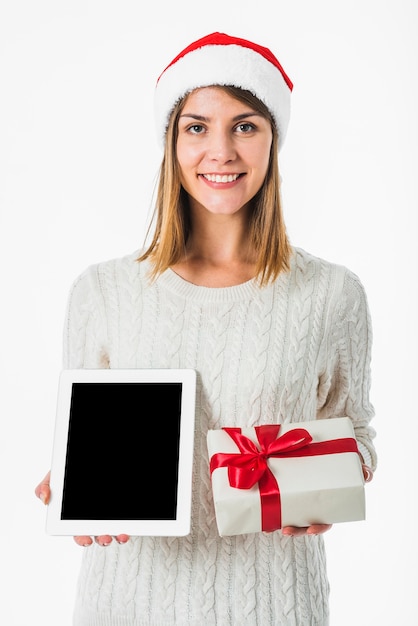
pixel 221 147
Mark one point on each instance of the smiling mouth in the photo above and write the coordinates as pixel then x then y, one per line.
pixel 221 178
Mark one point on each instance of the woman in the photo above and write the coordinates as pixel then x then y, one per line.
pixel 274 333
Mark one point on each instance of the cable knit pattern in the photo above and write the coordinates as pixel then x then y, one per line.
pixel 296 350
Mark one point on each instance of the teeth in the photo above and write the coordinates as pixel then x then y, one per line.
pixel 218 178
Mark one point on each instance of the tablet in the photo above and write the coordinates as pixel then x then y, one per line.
pixel 123 452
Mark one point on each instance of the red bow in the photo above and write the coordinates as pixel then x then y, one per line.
pixel 249 466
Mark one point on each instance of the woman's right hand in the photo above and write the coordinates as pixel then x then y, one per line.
pixel 43 492
pixel 102 540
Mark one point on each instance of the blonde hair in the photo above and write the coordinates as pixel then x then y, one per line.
pixel 267 231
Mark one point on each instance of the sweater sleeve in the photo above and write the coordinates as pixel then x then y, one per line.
pixel 344 387
pixel 85 337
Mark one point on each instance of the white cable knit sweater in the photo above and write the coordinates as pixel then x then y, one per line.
pixel 295 350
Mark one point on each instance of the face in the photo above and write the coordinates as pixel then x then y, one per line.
pixel 223 150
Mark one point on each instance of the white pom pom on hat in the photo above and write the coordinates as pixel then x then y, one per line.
pixel 219 59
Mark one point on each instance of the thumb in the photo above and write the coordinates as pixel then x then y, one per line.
pixel 367 473
pixel 43 491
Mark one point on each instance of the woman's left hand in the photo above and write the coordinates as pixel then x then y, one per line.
pixel 315 529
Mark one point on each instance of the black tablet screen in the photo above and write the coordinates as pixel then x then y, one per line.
pixel 122 451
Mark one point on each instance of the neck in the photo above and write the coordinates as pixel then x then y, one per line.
pixel 217 256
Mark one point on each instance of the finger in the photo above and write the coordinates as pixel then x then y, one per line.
pixel 103 540
pixel 318 529
pixel 294 531
pixel 122 538
pixel 83 540
pixel 43 491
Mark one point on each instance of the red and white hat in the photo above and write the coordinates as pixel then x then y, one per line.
pixel 219 59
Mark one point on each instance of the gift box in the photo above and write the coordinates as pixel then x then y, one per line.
pixel 271 476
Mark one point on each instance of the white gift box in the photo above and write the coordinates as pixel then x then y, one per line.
pixel 323 488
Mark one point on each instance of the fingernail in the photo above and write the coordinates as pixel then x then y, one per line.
pixel 42 497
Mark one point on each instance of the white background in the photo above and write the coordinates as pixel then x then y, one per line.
pixel 78 160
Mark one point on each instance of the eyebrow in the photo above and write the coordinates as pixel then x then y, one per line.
pixel 237 118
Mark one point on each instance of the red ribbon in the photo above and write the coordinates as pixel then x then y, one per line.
pixel 249 466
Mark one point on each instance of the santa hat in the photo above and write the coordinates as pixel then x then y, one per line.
pixel 219 59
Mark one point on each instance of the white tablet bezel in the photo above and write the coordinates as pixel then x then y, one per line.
pixel 178 527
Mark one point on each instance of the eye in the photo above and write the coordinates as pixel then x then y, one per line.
pixel 245 127
pixel 196 129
